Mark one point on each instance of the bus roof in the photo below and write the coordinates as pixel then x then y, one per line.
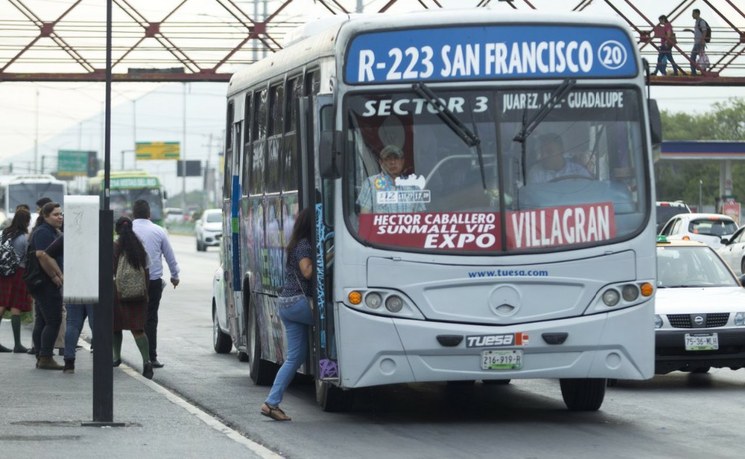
pixel 126 179
pixel 29 178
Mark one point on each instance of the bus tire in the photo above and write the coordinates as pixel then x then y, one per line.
pixel 262 372
pixel 583 394
pixel 221 342
pixel 333 399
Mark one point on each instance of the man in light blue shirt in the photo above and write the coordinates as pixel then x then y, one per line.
pixel 157 246
pixel 381 193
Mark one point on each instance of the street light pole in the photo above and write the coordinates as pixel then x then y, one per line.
pixel 700 195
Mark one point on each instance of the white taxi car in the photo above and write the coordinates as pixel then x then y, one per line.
pixel 711 229
pixel 700 310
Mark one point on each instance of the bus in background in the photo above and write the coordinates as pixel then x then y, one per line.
pixel 128 186
pixel 27 189
pixel 509 234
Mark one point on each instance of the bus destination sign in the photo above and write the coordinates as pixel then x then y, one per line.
pixel 490 52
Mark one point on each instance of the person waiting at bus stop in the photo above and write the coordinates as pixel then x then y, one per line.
pixel 294 309
pixel 392 166
pixel 48 298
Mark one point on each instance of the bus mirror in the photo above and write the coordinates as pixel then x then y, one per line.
pixel 327 155
pixel 655 122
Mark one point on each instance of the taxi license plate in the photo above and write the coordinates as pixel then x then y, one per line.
pixel 502 360
pixel 702 341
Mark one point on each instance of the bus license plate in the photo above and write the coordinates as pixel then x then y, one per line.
pixel 502 360
pixel 702 341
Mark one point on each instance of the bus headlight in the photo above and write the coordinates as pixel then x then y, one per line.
pixel 630 292
pixel 373 300
pixel 611 297
pixel 394 303
pixel 657 321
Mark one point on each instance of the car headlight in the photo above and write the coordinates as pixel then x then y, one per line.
pixel 657 321
pixel 740 319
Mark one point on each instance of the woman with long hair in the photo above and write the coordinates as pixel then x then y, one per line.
pixel 48 298
pixel 295 311
pixel 13 292
pixel 131 315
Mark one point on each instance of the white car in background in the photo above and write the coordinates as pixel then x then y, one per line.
pixel 733 252
pixel 711 229
pixel 208 229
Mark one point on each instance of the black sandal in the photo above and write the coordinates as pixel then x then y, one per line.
pixel 274 412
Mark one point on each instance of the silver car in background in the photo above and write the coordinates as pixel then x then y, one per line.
pixel 208 229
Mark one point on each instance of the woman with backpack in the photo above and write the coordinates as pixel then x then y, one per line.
pixel 130 288
pixel 13 292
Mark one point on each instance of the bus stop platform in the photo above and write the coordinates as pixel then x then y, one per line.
pixel 43 414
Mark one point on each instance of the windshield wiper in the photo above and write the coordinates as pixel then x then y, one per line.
pixel 447 116
pixel 470 138
pixel 553 100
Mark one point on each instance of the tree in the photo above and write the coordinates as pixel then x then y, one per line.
pixel 679 179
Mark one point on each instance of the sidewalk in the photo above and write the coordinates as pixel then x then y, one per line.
pixel 41 412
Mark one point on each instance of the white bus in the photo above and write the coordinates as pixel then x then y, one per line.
pixel 27 189
pixel 485 260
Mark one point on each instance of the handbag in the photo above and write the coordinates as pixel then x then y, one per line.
pixel 703 61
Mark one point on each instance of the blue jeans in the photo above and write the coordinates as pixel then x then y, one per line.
pixel 297 317
pixel 76 314
pixel 695 52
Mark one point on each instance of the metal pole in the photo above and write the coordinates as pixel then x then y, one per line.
pixel 36 136
pixel 103 371
pixel 134 132
pixel 183 154
pixel 700 195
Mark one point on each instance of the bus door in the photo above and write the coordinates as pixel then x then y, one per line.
pixel 316 123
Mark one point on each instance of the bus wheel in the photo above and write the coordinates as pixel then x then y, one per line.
pixel 333 399
pixel 583 394
pixel 220 341
pixel 262 372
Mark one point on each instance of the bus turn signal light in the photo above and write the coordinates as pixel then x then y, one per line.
pixel 355 297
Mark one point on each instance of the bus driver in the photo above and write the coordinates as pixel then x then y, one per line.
pixel 371 198
pixel 552 164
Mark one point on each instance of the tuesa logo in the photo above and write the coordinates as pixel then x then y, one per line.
pixel 497 340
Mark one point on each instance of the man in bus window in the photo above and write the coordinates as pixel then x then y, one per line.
pixel 381 193
pixel 553 164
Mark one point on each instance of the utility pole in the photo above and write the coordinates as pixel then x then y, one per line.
pixel 183 153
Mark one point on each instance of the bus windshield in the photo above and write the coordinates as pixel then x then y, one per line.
pixel 122 200
pixel 414 182
pixel 29 193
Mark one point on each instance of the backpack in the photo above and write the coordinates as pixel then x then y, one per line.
pixel 130 282
pixel 707 37
pixel 9 260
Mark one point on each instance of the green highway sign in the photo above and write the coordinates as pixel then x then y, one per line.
pixel 72 163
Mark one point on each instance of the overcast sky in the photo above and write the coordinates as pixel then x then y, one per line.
pixel 68 115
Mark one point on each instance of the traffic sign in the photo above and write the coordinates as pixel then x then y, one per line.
pixel 157 150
